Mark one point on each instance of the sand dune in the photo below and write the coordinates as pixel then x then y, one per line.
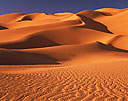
pixel 10 57
pixel 119 42
pixel 9 18
pixel 116 23
pixel 91 53
pixel 93 14
pixel 64 56
pixel 42 19
pixel 78 35
pixel 112 11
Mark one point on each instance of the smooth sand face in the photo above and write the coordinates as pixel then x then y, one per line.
pixel 64 56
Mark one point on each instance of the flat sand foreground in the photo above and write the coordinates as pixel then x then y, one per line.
pixel 86 82
pixel 64 56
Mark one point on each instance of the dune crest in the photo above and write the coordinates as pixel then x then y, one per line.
pixel 64 56
pixel 112 11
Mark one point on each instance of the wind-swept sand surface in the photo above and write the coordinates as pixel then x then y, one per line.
pixel 64 56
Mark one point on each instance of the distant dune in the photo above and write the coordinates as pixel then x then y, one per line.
pixel 64 56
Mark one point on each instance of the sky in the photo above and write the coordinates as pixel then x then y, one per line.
pixel 56 6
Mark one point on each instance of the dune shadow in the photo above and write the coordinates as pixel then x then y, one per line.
pixel 111 48
pixel 92 24
pixel 93 14
pixel 3 28
pixel 26 18
pixel 24 58
pixel 35 41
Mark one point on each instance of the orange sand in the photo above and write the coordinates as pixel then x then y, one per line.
pixel 64 56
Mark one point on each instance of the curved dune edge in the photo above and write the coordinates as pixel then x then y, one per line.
pixel 119 42
pixel 68 54
pixel 112 11
pixel 64 56
pixel 40 31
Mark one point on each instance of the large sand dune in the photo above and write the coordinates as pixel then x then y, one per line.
pixel 64 56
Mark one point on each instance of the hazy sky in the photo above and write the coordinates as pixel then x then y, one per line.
pixel 53 6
